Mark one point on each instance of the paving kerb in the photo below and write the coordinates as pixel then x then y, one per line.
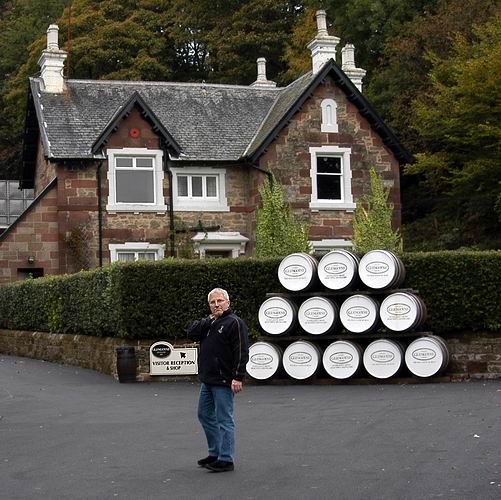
pixel 67 432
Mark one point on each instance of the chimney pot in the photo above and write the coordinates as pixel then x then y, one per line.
pixel 262 80
pixel 355 74
pixel 348 56
pixel 261 69
pixel 322 23
pixel 53 37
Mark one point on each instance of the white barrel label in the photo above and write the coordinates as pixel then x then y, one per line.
pixel 297 271
pixel 383 358
pixel 301 359
pixel 401 312
pixel 337 269
pixel 276 315
pixel 264 360
pixel 317 315
pixel 342 359
pixel 427 356
pixel 378 269
pixel 359 313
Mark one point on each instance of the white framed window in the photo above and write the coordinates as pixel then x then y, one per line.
pixel 329 116
pixel 133 251
pixel 135 177
pixel 199 189
pixel 219 244
pixel 331 179
pixel 321 247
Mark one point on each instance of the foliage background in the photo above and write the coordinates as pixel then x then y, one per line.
pixel 433 72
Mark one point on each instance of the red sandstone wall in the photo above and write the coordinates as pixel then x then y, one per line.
pixel 35 235
pixel 289 159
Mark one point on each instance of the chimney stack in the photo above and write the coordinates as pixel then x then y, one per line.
pixel 355 74
pixel 51 62
pixel 262 81
pixel 323 46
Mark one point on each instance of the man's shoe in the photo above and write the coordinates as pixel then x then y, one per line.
pixel 207 460
pixel 220 466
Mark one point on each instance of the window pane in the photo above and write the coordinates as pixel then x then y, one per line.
pixel 146 255
pixel 182 185
pixel 3 207
pixel 329 187
pixel 211 187
pixel 15 192
pixel 134 186
pixel 144 162
pixel 16 207
pixel 329 164
pixel 124 162
pixel 3 219
pixel 29 193
pixel 126 256
pixel 196 186
pixel 3 189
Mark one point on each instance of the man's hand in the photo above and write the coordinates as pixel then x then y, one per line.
pixel 236 386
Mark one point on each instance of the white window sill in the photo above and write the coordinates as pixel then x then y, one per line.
pixel 329 205
pixel 199 207
pixel 125 207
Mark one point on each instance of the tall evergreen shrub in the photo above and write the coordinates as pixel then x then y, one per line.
pixel 373 220
pixel 278 232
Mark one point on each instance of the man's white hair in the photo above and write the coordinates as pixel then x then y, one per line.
pixel 223 292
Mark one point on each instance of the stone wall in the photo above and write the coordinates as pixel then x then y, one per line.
pixel 34 235
pixel 289 159
pixel 95 353
pixel 473 355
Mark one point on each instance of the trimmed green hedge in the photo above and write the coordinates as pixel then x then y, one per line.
pixel 462 291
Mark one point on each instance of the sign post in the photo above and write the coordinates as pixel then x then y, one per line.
pixel 168 360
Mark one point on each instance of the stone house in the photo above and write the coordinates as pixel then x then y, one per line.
pixel 124 170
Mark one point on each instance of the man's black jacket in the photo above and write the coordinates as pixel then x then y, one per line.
pixel 224 348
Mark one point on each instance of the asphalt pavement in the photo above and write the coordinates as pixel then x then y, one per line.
pixel 70 433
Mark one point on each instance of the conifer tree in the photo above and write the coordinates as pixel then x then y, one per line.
pixel 278 233
pixel 373 220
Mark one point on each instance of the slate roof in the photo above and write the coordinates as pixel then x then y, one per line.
pixel 209 122
pixel 200 122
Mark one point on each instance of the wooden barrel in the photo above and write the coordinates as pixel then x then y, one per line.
pixel 342 359
pixel 298 272
pixel 278 316
pixel 427 356
pixel 338 270
pixel 359 314
pixel 301 359
pixel 318 316
pixel 381 270
pixel 402 312
pixel 383 358
pixel 126 364
pixel 265 360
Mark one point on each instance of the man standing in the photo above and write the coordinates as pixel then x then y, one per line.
pixel 224 352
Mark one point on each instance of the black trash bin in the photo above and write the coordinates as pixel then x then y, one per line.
pixel 126 364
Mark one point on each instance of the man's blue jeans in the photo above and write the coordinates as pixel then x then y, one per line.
pixel 215 413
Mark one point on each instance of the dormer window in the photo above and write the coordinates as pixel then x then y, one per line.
pixel 135 180
pixel 329 116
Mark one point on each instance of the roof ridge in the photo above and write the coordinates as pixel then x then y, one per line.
pixel 175 84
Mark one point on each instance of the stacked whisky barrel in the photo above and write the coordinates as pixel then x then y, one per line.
pixel 357 303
